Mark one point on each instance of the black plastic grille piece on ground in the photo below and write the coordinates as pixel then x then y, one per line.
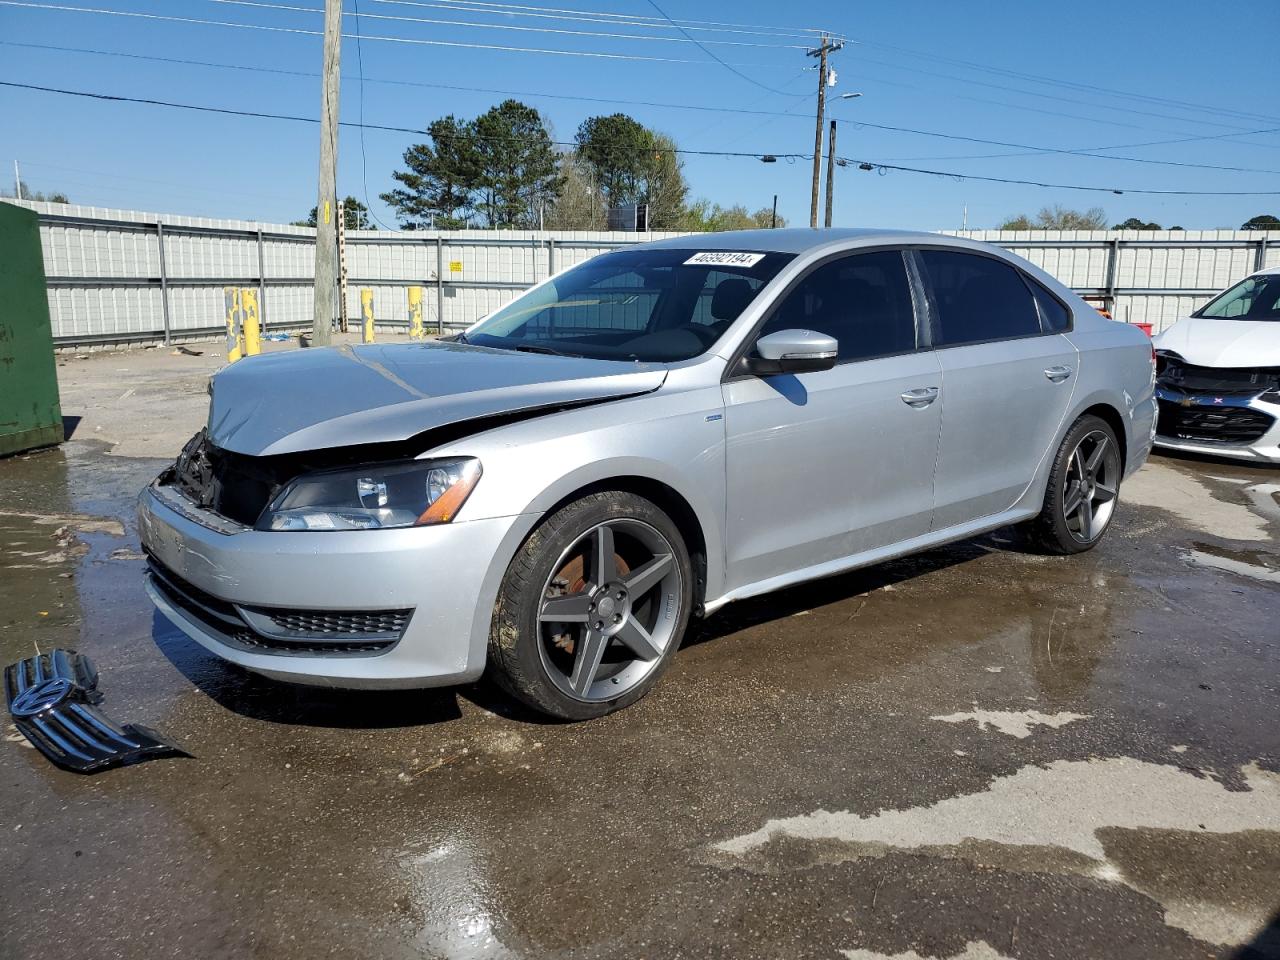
pixel 52 698
pixel 1212 424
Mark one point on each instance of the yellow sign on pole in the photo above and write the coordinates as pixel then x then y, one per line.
pixel 416 330
pixel 250 329
pixel 235 332
pixel 366 310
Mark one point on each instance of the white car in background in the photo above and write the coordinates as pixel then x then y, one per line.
pixel 1218 374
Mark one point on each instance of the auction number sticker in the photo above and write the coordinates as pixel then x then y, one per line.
pixel 724 258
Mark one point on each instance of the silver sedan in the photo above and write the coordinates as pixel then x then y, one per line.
pixel 645 437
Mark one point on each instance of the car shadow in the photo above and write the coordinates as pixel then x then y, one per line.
pixel 781 604
pixel 275 701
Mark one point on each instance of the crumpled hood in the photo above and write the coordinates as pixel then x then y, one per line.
pixel 301 400
pixel 1208 342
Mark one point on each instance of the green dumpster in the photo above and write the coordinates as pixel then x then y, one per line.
pixel 30 415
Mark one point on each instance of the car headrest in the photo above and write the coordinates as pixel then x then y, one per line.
pixel 731 298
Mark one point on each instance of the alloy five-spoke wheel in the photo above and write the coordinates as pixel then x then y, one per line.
pixel 593 606
pixel 1089 496
pixel 1083 489
pixel 600 622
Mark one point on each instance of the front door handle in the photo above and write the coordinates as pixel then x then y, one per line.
pixel 1057 374
pixel 921 397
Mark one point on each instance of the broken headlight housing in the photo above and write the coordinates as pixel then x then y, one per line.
pixel 420 493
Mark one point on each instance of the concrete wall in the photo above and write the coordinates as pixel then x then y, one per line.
pixel 111 273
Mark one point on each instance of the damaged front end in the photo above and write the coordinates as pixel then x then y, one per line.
pixel 1232 411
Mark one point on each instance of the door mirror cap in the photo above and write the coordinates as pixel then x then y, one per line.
pixel 793 351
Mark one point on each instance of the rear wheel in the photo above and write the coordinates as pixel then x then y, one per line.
pixel 592 608
pixel 1083 490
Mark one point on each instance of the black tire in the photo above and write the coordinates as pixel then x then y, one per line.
pixel 516 662
pixel 1053 531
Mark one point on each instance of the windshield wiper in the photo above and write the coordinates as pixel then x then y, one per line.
pixel 538 348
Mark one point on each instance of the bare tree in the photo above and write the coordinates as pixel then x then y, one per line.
pixel 1058 217
pixel 580 205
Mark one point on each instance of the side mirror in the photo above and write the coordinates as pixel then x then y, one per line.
pixel 793 351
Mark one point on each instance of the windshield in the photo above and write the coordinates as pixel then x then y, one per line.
pixel 645 304
pixel 1254 298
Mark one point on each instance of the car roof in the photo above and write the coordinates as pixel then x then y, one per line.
pixel 798 239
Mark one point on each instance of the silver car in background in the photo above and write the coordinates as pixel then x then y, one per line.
pixel 645 437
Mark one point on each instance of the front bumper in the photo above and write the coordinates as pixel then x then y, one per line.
pixel 446 576
pixel 1262 444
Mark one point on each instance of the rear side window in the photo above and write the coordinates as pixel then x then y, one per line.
pixel 977 299
pixel 864 301
pixel 1056 317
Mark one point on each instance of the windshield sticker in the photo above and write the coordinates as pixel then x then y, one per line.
pixel 724 258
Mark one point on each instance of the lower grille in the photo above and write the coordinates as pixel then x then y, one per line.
pixel 1212 424
pixel 281 630
pixel 324 622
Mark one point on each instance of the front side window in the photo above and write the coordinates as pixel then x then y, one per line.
pixel 647 305
pixel 1254 298
pixel 977 298
pixel 864 301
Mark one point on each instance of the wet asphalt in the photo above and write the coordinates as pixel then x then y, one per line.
pixel 978 752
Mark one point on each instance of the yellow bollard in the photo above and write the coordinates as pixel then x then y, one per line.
pixel 235 332
pixel 250 330
pixel 416 329
pixel 366 310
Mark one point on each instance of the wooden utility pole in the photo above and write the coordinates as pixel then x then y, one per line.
pixel 821 53
pixel 831 168
pixel 327 196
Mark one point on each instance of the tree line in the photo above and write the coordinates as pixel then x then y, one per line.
pixel 504 170
pixel 1058 217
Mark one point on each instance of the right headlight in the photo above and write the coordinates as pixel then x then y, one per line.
pixel 415 494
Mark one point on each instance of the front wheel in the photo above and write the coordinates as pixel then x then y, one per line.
pixel 1084 487
pixel 592 608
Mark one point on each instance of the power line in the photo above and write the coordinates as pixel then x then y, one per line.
pixel 712 55
pixel 598 16
pixel 262 115
pixel 1028 149
pixel 641 103
pixel 1004 87
pixel 755 155
pixel 364 157
pixel 435 21
pixel 317 33
pixel 1183 105
pixel 876 165
pixel 1057 150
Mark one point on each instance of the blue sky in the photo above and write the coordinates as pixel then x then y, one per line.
pixel 1024 72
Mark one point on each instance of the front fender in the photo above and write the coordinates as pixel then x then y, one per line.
pixel 675 439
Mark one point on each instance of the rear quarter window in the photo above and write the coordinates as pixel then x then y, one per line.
pixel 1053 315
pixel 977 299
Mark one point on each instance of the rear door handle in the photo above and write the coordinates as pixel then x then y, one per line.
pixel 1057 374
pixel 921 397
